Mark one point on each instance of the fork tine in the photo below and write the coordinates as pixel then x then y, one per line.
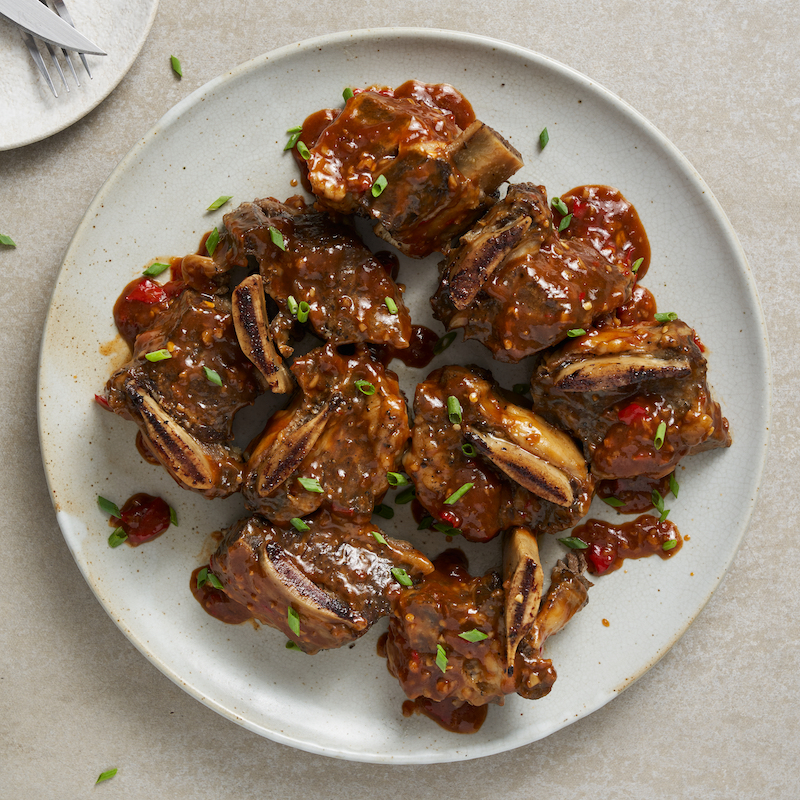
pixel 37 59
pixel 58 66
pixel 63 12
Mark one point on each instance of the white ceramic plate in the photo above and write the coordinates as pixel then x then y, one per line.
pixel 30 112
pixel 227 138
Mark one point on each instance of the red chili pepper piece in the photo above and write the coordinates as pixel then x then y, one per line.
pixel 632 412
pixel 600 557
pixel 450 517
pixel 102 402
pixel 147 291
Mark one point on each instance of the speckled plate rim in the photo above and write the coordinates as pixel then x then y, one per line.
pixel 460 749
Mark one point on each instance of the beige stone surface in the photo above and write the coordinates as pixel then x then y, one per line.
pixel 716 718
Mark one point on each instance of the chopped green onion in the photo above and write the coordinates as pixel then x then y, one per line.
pixel 454 411
pixel 207 576
pixel 544 138
pixel 468 450
pixel 155 269
pixel 445 527
pixel 290 645
pixel 158 355
pixel 176 66
pixel 657 500
pixel 560 206
pixel 379 537
pixel 636 265
pixel 574 543
pixel 576 332
pixel 387 512
pixel 303 310
pixel 292 305
pixel 294 138
pixel 379 185
pixel 214 580
pixel 473 636
pixel 444 343
pixel 669 544
pixel 293 618
pixel 277 238
pixel 7 240
pixel 212 376
pixel 390 304
pixel 458 494
pixel 396 479
pixel 212 242
pixel 367 388
pixel 347 93
pixel 108 506
pixel 299 525
pixel 564 223
pixel 219 202
pixel 521 388
pixel 614 502
pixel 303 150
pixel 117 537
pixel 673 484
pixel 664 515
pixel 425 523
pixel 401 576
pixel 661 431
pixel 667 316
pixel 406 496
pixel 310 485
pixel 173 517
pixel 441 658
pixel 109 773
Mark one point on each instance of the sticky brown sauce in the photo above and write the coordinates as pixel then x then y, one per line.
pixel 216 603
pixel 143 517
pixel 419 353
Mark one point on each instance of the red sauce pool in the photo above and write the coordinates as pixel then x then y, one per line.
pixel 143 518
pixel 216 603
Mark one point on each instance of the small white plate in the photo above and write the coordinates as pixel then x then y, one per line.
pixel 227 138
pixel 28 110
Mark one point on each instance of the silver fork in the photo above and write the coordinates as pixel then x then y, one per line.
pixel 36 55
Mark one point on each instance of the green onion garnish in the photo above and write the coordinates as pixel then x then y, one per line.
pixel 303 150
pixel 212 242
pixel 347 93
pixel 108 506
pixel 544 138
pixel 214 580
pixel 560 206
pixel 454 412
pixel 379 537
pixel 657 500
pixel 401 576
pixel 636 265
pixel 367 388
pixel 293 618
pixel 387 512
pixel 158 355
pixel 396 479
pixel 458 494
pixel 425 523
pixel 468 450
pixel 614 502
pixel 521 388
pixel 446 527
pixel 173 517
pixel 176 66
pixel 576 332
pixel 295 136
pixel 310 485
pixel 661 431
pixel 441 658
pixel 207 576
pixel 155 269
pixel 219 202
pixel 292 305
pixel 7 240
pixel 473 636
pixel 669 544
pixel 212 376
pixel 117 537
pixel 406 496
pixel 109 773
pixel 390 304
pixel 564 223
pixel 303 310
pixel 299 525
pixel 277 238
pixel 574 543
pixel 673 484
pixel 444 343
pixel 379 185
pixel 290 645
pixel 667 316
